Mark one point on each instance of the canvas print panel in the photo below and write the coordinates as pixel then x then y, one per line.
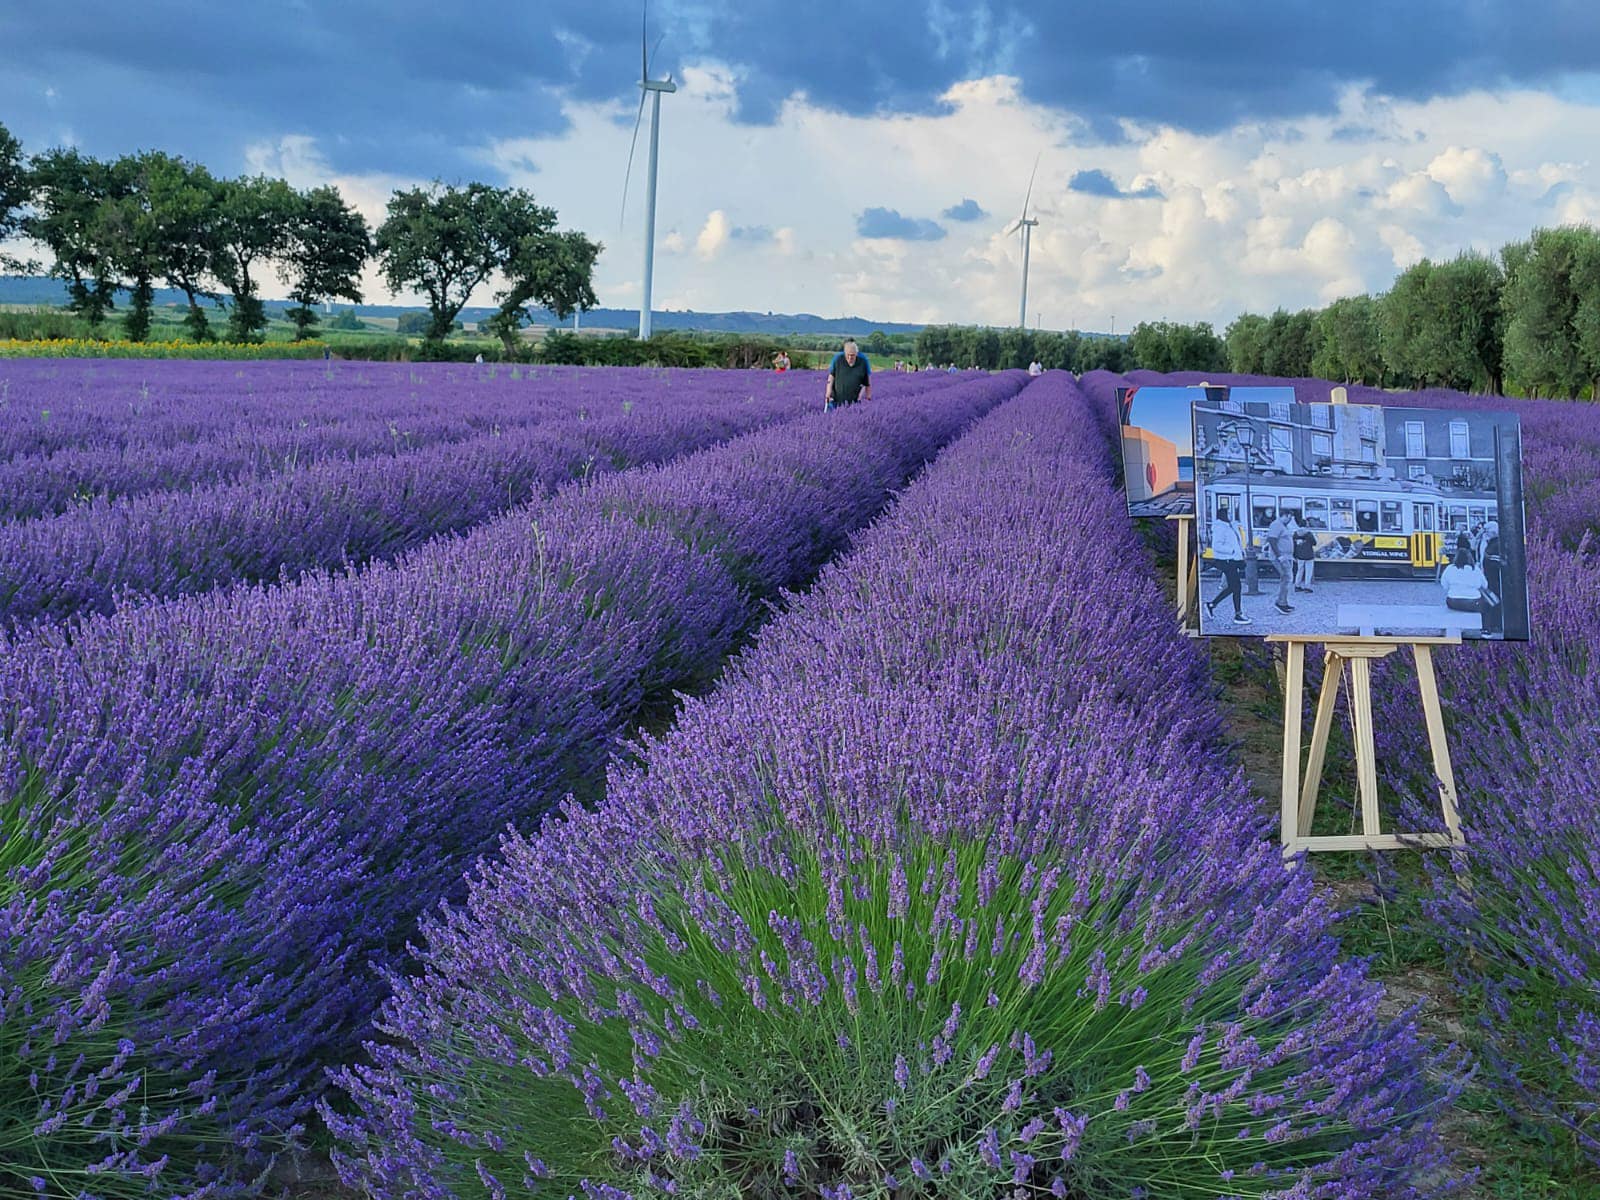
pixel 1352 520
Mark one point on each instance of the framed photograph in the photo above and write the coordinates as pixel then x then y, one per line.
pixel 1158 442
pixel 1359 520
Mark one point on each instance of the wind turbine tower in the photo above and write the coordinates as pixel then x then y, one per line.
pixel 651 90
pixel 1025 225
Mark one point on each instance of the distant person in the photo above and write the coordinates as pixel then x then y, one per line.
pixel 849 378
pixel 1280 546
pixel 1036 368
pixel 950 370
pixel 1227 551
pixel 1464 584
pixel 1305 558
pixel 781 361
pixel 478 358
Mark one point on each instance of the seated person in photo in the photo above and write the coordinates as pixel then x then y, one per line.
pixel 1463 583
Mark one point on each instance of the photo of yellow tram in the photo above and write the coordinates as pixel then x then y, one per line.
pixel 1407 526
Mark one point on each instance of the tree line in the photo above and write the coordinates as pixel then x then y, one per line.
pixel 118 227
pixel 1530 316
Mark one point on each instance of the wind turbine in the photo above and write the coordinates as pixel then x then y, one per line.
pixel 1025 223
pixel 650 89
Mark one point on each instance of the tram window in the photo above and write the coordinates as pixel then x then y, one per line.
pixel 1290 504
pixel 1316 514
pixel 1226 507
pixel 1264 512
pixel 1344 517
pixel 1367 516
pixel 1458 516
pixel 1390 517
pixel 1422 518
pixel 1477 515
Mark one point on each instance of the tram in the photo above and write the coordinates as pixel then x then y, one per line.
pixel 1408 527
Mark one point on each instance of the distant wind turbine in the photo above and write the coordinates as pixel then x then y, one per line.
pixel 1025 223
pixel 650 89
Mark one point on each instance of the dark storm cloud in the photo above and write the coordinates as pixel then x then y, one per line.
pixel 887 223
pixel 417 89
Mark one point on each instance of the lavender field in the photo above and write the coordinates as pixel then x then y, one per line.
pixel 625 783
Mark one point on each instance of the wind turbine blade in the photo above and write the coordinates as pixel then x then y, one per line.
pixel 651 57
pixel 632 146
pixel 644 40
pixel 1031 174
pixel 1015 225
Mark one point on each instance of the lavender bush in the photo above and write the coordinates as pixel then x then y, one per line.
pixel 249 796
pixel 906 908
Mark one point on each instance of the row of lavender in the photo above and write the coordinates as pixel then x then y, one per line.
pixel 49 406
pixel 1524 726
pixel 341 511
pixel 81 430
pixel 907 908
pixel 91 431
pixel 221 817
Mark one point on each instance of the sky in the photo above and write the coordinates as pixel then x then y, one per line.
pixel 1193 161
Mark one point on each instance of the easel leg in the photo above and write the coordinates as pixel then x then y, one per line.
pixel 1289 823
pixel 1183 572
pixel 1366 749
pixel 1434 716
pixel 1332 669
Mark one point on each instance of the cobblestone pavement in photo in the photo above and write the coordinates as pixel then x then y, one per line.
pixel 1314 613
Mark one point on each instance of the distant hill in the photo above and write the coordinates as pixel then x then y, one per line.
pixel 31 290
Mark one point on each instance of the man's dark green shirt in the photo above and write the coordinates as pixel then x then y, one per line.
pixel 849 380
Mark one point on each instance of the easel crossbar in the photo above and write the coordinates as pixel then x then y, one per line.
pixel 1352 658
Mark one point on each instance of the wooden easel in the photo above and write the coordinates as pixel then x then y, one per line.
pixel 1300 792
pixel 1188 575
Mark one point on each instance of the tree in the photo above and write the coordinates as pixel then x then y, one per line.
pixel 1345 337
pixel 188 199
pixel 1147 345
pixel 326 246
pixel 1246 340
pixel 1287 346
pixel 1018 348
pixel 936 345
pixel 15 190
pixel 553 270
pixel 1586 318
pixel 68 190
pixel 986 350
pixel 1441 323
pixel 1469 292
pixel 253 220
pixel 1167 346
pixel 127 226
pixel 1549 304
pixel 443 241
